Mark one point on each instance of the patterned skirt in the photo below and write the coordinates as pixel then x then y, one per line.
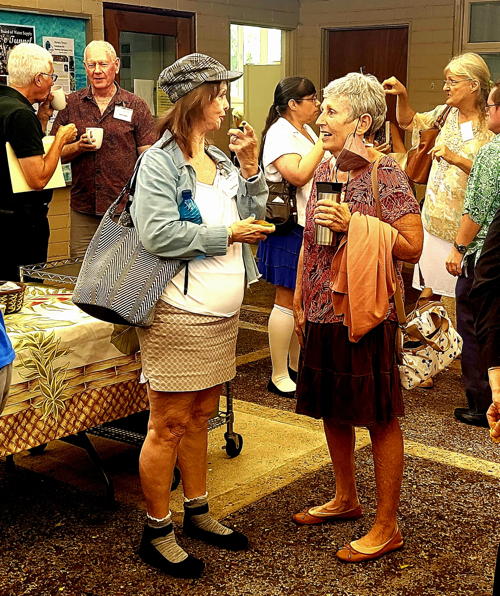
pixel 184 351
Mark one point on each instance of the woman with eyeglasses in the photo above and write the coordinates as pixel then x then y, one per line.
pixel 290 150
pixel 465 131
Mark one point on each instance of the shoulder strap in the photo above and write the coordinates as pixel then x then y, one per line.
pixel 441 119
pixel 398 298
pixel 129 188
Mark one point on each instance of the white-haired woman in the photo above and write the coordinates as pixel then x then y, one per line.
pixel 355 383
pixel 465 131
pixel 23 216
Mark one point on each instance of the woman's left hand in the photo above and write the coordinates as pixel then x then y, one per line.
pixel 244 144
pixel 440 152
pixel 454 262
pixel 335 216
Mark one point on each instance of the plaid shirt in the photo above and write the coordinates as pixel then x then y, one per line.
pixel 99 176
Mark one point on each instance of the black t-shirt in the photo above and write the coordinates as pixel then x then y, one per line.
pixel 20 126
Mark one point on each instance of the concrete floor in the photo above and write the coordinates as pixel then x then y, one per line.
pixel 57 536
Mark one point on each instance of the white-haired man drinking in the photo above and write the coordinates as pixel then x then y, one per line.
pixel 23 216
pixel 101 171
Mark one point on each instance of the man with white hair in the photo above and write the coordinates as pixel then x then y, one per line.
pixel 23 216
pixel 99 174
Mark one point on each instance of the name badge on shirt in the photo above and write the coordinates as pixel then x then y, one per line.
pixel 122 113
pixel 466 131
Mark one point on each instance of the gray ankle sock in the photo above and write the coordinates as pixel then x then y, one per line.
pixel 167 544
pixel 205 521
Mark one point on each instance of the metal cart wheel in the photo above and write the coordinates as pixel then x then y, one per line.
pixel 234 444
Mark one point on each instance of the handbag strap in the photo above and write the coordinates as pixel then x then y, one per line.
pixel 129 188
pixel 441 119
pixel 398 298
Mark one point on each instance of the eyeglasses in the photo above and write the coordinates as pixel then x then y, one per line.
pixel 315 98
pixel 452 83
pixel 491 105
pixel 51 75
pixel 94 65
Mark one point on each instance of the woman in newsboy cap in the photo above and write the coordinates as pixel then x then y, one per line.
pixel 191 203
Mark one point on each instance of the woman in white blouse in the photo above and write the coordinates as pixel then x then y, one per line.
pixel 290 150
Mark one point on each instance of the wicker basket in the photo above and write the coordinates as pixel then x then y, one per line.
pixel 13 299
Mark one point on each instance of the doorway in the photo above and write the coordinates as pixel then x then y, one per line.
pixel 146 41
pixel 380 51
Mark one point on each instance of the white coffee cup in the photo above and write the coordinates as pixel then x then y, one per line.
pixel 58 97
pixel 95 136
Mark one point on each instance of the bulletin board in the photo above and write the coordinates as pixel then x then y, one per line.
pixel 54 26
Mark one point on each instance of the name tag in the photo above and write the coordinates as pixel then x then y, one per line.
pixel 466 131
pixel 122 113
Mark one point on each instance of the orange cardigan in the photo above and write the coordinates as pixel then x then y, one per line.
pixel 363 277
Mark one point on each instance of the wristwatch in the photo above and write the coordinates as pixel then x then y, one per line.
pixel 462 248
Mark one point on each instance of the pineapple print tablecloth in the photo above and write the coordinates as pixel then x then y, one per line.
pixel 71 371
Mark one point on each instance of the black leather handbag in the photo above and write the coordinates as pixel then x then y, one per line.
pixel 281 206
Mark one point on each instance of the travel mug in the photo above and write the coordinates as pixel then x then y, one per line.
pixel 331 191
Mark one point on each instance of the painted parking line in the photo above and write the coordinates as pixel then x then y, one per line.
pixel 452 458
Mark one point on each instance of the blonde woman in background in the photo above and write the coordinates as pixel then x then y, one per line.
pixel 466 87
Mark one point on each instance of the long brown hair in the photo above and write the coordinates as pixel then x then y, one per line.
pixel 186 111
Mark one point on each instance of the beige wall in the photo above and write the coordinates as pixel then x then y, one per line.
pixel 431 42
pixel 431 30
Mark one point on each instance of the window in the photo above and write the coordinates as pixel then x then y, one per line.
pixel 251 45
pixel 482 32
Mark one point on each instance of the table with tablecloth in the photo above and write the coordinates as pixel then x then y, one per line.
pixel 71 372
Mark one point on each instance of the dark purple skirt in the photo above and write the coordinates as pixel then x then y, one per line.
pixel 351 383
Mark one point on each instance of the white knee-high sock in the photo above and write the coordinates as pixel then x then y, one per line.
pixel 280 328
pixel 294 352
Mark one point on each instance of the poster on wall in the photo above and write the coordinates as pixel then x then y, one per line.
pixel 10 36
pixel 63 54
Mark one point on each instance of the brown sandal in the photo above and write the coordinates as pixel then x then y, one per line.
pixel 306 518
pixel 348 554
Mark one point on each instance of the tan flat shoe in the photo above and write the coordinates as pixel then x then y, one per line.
pixel 427 384
pixel 349 554
pixel 306 518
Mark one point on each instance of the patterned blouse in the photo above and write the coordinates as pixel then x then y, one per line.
pixel 482 198
pixel 396 200
pixel 444 196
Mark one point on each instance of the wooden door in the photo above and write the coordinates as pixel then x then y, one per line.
pixel 381 51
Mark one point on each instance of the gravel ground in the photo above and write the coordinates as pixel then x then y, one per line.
pixel 56 540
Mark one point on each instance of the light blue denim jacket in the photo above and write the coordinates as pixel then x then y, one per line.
pixel 162 176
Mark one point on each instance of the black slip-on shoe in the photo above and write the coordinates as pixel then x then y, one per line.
pixel 190 568
pixel 273 389
pixel 471 417
pixel 233 541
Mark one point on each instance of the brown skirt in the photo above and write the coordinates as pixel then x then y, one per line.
pixel 351 383
pixel 184 351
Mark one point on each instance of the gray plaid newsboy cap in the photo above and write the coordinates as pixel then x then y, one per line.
pixel 190 72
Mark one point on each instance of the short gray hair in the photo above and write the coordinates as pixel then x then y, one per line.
pixel 25 61
pixel 364 94
pixel 100 43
